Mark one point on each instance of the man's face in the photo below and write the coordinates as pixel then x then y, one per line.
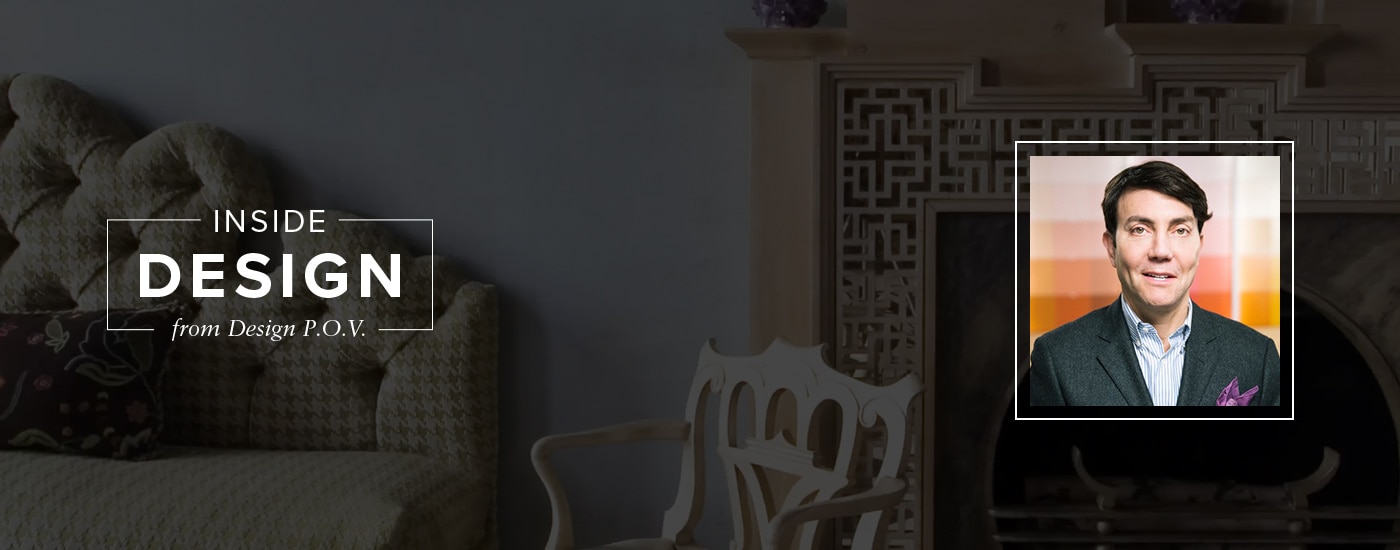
pixel 1155 249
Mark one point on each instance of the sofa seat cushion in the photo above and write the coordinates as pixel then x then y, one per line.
pixel 198 497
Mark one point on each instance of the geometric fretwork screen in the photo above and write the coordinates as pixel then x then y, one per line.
pixel 903 136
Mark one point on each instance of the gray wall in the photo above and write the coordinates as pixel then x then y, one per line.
pixel 589 158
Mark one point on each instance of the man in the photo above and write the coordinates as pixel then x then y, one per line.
pixel 1154 346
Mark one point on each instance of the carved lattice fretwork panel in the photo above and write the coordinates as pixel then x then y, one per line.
pixel 898 143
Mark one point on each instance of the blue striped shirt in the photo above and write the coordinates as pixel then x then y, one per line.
pixel 1160 369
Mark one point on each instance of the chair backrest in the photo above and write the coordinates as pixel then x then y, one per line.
pixel 791 430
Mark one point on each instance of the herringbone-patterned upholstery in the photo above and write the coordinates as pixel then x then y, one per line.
pixel 70 172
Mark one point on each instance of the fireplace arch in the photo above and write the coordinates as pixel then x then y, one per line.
pixel 1330 327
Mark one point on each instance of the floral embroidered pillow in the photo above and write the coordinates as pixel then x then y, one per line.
pixel 69 384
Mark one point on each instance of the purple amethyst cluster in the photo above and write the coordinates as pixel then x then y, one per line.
pixel 1207 11
pixel 786 14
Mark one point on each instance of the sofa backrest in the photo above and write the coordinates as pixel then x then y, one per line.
pixel 77 187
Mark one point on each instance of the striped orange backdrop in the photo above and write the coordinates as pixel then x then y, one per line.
pixel 1239 272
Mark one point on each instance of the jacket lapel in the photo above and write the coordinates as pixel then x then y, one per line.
pixel 1117 358
pixel 1198 370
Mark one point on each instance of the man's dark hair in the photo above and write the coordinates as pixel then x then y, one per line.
pixel 1162 177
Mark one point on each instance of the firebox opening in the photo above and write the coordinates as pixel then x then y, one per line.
pixel 1339 404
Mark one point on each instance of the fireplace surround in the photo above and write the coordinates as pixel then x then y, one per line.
pixel 1343 406
pixel 886 180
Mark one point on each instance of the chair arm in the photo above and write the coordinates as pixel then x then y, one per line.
pixel 641 430
pixel 561 529
pixel 884 494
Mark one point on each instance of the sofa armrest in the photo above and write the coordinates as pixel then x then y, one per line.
pixel 561 530
pixel 885 493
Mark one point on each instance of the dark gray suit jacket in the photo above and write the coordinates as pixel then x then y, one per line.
pixel 1091 361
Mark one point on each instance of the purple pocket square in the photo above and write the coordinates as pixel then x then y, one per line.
pixel 1231 396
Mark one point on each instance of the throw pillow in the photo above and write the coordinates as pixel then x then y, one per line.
pixel 69 384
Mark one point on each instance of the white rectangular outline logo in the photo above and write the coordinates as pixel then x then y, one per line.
pixel 1016 268
pixel 432 261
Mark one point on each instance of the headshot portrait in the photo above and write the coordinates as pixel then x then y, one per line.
pixel 1154 281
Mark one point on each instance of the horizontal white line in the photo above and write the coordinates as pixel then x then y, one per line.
pixel 1159 142
pixel 406 329
pixel 388 220
pixel 130 329
pixel 1150 418
pixel 155 219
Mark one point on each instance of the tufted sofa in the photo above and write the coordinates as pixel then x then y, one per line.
pixel 385 440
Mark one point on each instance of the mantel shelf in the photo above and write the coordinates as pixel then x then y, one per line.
pixel 788 43
pixel 1221 39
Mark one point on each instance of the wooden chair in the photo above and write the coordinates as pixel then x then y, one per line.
pixel 799 466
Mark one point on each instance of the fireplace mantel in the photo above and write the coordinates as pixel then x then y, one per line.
pixel 772 44
pixel 1220 40
pixel 1137 38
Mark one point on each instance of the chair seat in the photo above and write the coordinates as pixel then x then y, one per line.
pixel 200 498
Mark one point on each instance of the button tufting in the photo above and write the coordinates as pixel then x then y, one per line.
pixel 7 247
pixel 121 239
pixel 377 375
pixel 52 299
